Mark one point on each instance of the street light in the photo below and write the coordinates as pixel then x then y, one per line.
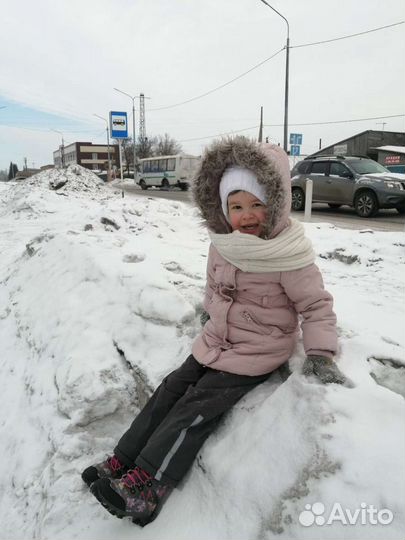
pixel 62 147
pixel 108 143
pixel 133 125
pixel 287 60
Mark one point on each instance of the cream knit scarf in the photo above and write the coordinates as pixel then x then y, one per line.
pixel 290 250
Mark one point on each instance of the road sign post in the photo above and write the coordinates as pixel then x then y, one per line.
pixel 295 150
pixel 119 130
pixel 296 138
pixel 295 144
pixel 118 125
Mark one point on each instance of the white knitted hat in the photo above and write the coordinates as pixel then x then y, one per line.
pixel 238 178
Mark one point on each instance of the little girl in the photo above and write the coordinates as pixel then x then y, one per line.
pixel 260 277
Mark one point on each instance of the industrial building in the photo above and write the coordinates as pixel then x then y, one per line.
pixel 366 143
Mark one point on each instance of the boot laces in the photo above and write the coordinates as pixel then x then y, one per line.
pixel 114 463
pixel 137 478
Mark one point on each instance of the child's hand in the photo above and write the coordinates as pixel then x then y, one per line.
pixel 325 370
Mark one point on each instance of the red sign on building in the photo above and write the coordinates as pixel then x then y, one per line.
pixel 392 160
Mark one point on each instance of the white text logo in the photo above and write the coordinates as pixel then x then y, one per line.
pixel 366 514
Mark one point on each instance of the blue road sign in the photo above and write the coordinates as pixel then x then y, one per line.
pixel 118 125
pixel 295 150
pixel 296 138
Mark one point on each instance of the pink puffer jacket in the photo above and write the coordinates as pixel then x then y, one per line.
pixel 253 326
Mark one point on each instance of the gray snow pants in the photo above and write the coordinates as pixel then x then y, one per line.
pixel 184 410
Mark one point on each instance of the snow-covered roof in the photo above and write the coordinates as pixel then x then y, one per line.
pixel 397 149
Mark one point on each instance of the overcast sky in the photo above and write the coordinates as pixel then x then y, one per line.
pixel 61 60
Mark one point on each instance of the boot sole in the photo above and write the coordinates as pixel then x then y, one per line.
pixel 117 512
pixel 89 482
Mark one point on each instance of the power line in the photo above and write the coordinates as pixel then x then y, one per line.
pixel 337 121
pixel 269 58
pixel 219 134
pixel 218 87
pixel 301 124
pixel 346 37
pixel 46 130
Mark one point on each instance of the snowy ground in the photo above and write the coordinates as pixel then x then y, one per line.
pixel 100 297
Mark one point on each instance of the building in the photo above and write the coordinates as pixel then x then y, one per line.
pixel 392 157
pixel 365 143
pixel 26 173
pixel 88 155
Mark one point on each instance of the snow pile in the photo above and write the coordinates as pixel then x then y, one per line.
pixel 72 179
pixel 100 298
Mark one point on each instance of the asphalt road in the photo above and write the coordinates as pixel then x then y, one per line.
pixel 345 217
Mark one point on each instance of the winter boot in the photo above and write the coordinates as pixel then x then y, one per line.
pixel 136 495
pixel 110 468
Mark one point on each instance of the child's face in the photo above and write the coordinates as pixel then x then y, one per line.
pixel 247 214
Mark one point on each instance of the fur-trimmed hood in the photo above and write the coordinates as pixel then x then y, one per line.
pixel 267 161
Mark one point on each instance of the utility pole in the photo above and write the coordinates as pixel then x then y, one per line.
pixel 287 67
pixel 62 148
pixel 142 126
pixel 260 138
pixel 142 123
pixel 383 124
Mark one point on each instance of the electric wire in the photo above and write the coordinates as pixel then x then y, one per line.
pixel 219 134
pixel 218 87
pixel 337 121
pixel 269 58
pixel 292 124
pixel 345 37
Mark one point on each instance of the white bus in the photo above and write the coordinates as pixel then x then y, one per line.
pixel 166 171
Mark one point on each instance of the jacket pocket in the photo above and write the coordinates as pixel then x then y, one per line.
pixel 250 318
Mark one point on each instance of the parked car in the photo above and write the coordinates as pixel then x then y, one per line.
pixel 103 175
pixel 355 181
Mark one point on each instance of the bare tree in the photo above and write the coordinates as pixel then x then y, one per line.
pixel 166 146
pixel 127 151
pixel 12 171
pixel 162 145
pixel 144 148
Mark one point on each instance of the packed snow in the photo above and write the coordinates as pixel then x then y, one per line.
pixel 100 298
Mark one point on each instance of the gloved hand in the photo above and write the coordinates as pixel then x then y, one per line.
pixel 204 317
pixel 325 370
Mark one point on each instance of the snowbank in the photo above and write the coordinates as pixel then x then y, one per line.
pixel 74 178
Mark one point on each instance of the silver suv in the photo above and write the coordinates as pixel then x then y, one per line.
pixel 356 181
